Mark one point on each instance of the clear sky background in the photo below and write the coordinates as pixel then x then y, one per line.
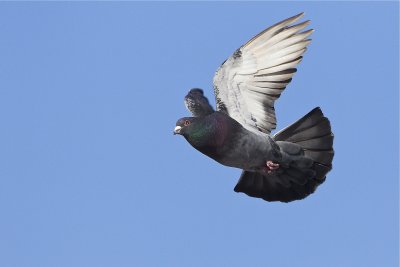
pixel 91 175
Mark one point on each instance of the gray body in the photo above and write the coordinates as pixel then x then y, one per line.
pixel 248 151
pixel 240 148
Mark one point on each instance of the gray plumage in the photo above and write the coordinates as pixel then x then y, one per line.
pixel 287 166
pixel 197 103
pixel 307 146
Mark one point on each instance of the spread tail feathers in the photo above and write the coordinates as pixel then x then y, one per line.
pixel 308 138
pixel 313 133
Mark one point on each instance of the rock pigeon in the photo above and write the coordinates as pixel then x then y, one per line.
pixel 286 166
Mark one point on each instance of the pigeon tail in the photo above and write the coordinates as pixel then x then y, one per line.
pixel 307 152
pixel 314 135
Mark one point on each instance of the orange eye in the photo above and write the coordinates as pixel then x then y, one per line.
pixel 186 123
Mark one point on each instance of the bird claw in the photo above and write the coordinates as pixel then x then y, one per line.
pixel 271 167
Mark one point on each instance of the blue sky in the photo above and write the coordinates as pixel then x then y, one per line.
pixel 91 174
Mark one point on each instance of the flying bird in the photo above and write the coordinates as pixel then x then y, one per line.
pixel 286 166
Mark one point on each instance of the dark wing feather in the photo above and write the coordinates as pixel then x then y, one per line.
pixel 197 103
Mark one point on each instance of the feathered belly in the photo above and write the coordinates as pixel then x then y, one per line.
pixel 249 153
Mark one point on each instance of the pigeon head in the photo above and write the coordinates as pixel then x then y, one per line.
pixel 198 131
pixel 203 131
pixel 184 126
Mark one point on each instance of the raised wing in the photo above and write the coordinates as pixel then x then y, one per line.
pixel 197 103
pixel 248 83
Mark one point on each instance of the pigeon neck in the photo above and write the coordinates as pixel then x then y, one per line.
pixel 207 133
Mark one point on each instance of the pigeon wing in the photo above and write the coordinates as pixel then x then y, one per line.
pixel 197 103
pixel 247 84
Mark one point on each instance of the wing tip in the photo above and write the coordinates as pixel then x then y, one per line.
pixel 299 15
pixel 291 20
pixel 196 90
pixel 278 26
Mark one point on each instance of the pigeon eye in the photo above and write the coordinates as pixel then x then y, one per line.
pixel 186 123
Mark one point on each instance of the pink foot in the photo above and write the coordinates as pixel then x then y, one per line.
pixel 271 167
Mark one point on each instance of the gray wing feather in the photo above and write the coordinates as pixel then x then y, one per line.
pixel 197 103
pixel 248 83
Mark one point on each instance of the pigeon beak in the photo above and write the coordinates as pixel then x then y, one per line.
pixel 177 130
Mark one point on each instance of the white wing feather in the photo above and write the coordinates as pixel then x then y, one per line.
pixel 248 83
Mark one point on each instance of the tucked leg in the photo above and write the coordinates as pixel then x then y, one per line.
pixel 271 166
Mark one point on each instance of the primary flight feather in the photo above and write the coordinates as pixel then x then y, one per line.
pixel 287 166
